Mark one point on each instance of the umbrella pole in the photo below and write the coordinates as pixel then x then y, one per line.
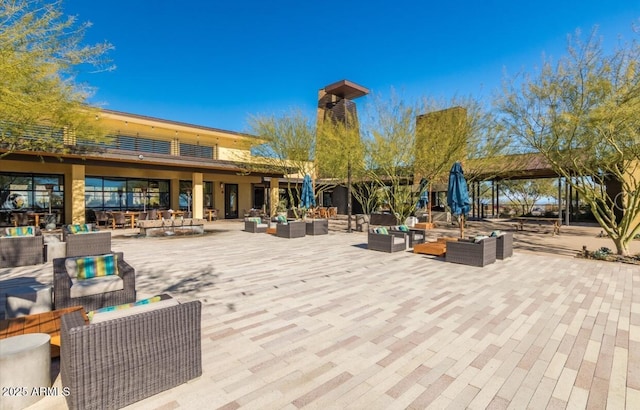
pixel 462 226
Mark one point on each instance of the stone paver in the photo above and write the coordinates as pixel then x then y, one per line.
pixel 322 322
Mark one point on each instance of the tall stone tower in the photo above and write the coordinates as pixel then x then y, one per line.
pixel 335 104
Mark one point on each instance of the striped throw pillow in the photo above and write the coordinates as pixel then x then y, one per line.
pixel 96 266
pixel 20 231
pixel 124 306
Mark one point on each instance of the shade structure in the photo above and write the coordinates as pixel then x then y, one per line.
pixel 458 194
pixel 307 198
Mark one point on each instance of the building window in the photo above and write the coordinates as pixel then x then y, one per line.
pixel 197 151
pixel 126 193
pixel 30 193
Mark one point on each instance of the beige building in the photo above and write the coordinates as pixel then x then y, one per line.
pixel 147 163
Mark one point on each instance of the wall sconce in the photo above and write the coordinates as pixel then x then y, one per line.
pixel 221 186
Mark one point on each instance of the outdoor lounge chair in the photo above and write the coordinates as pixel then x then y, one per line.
pixel 504 245
pixel 292 229
pixel 416 236
pixel 387 242
pixel 22 250
pixel 85 241
pixel 472 253
pixel 255 225
pixel 63 283
pixel 114 363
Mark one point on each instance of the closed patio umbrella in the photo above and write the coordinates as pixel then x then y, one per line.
pixel 307 198
pixel 458 194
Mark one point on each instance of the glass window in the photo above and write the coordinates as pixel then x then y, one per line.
pixel 30 193
pixel 125 194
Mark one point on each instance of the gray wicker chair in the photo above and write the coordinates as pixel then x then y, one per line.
pixel 112 364
pixel 293 229
pixel 504 246
pixel 416 236
pixel 21 250
pixel 253 226
pixel 62 288
pixel 392 242
pixel 472 253
pixel 317 227
pixel 83 244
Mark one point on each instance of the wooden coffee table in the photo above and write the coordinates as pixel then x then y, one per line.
pixel 438 248
pixel 47 322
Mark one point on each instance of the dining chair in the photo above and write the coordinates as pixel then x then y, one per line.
pixel 166 215
pixel 102 217
pixel 152 214
pixel 119 219
pixel 142 216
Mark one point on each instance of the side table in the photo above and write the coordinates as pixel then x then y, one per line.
pixel 25 365
pixel 28 300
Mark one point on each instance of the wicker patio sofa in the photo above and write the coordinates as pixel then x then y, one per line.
pixel 255 225
pixel 62 284
pixel 22 250
pixel 416 236
pixel 317 227
pixel 292 229
pixel 387 242
pixel 87 242
pixel 114 363
pixel 466 252
pixel 504 245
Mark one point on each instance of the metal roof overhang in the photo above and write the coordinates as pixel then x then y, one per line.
pixel 137 160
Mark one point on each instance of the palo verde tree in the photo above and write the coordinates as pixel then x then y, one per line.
pixel 389 145
pixel 287 146
pixel 582 113
pixel 42 107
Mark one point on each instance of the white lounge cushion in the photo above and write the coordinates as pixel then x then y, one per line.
pixel 398 240
pixel 95 286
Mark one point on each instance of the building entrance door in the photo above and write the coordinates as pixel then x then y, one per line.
pixel 231 201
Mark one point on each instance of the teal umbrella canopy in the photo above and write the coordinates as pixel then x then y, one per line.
pixel 457 191
pixel 307 197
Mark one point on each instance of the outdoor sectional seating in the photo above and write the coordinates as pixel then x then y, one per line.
pixel 114 363
pixel 255 225
pixel 21 250
pixel 65 297
pixel 387 242
pixel 292 229
pixel 317 227
pixel 415 236
pixel 473 253
pixel 504 245
pixel 84 240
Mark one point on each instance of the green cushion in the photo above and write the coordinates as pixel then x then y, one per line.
pixel 123 306
pixel 382 231
pixel 404 228
pixel 281 218
pixel 254 219
pixel 78 228
pixel 95 266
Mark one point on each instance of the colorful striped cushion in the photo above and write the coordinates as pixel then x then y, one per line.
pixel 79 228
pixel 96 266
pixel 281 218
pixel 20 231
pixel 255 219
pixel 123 306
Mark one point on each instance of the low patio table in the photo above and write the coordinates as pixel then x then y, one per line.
pixel 47 322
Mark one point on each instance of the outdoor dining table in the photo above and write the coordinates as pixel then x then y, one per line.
pixel 130 217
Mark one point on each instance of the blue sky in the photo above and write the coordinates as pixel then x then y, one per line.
pixel 216 63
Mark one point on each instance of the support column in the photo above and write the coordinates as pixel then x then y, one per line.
pixel 197 198
pixel 174 188
pixel 567 198
pixel 76 213
pixel 560 200
pixel 274 195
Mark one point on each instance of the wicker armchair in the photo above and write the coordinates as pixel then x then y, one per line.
pixel 252 225
pixel 88 243
pixel 472 253
pixel 112 364
pixel 317 227
pixel 504 245
pixel 416 236
pixel 21 250
pixel 293 229
pixel 392 242
pixel 62 288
